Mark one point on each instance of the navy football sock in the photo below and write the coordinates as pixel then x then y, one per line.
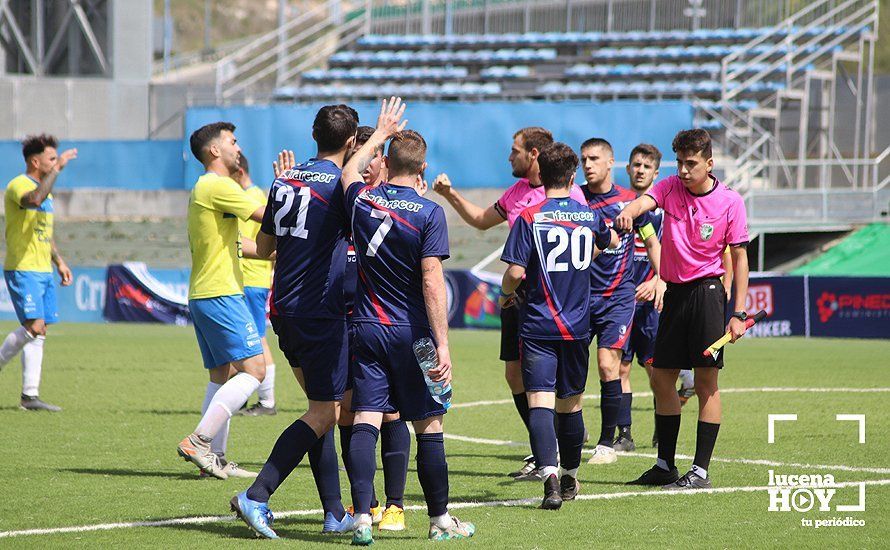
pixel 362 465
pixel 571 438
pixel 610 402
pixel 624 417
pixel 345 435
pixel 667 427
pixel 543 436
pixel 432 471
pixel 395 446
pixel 326 472
pixel 521 402
pixel 292 445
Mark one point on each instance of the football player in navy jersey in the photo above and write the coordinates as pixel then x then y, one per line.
pixel 400 241
pixel 551 247
pixel 395 440
pixel 305 223
pixel 642 168
pixel 612 289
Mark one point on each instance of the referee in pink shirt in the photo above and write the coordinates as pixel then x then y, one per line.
pixel 701 217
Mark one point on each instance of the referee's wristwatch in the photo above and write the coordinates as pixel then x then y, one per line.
pixel 740 315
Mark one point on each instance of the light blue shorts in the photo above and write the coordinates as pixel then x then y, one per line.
pixel 225 330
pixel 256 298
pixel 33 295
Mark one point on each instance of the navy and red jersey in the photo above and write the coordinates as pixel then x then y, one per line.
pixel 642 269
pixel 612 270
pixel 555 241
pixel 305 213
pixel 393 228
pixel 350 278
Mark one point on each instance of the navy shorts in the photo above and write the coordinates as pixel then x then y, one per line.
pixel 350 338
pixel 642 334
pixel 224 329
pixel 387 377
pixel 320 348
pixel 611 319
pixel 257 298
pixel 555 366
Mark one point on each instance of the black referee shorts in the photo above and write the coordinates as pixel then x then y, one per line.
pixel 510 333
pixel 693 318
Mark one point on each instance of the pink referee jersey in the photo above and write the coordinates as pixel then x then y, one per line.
pixel 697 228
pixel 521 195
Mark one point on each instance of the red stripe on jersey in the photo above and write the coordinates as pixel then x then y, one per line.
pixel 566 335
pixel 298 183
pixel 395 216
pixel 272 309
pixel 623 195
pixel 529 213
pixel 618 275
pixel 378 307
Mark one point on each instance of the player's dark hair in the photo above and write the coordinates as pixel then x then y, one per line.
pixel 333 126
pixel 363 134
pixel 406 154
pixel 201 138
pixel 597 142
pixel 243 164
pixel 534 137
pixel 557 163
pixel 647 150
pixel 693 141
pixel 34 145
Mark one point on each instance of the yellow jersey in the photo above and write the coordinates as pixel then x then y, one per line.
pixel 215 206
pixel 257 273
pixel 29 230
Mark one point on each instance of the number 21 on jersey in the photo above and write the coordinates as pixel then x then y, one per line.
pixel 286 221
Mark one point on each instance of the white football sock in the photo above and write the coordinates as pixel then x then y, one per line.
pixel 687 379
pixel 266 391
pixel 660 462
pixel 32 364
pixel 221 440
pixel 571 473
pixel 218 445
pixel 212 388
pixel 547 471
pixel 700 472
pixel 442 522
pixel 227 399
pixel 13 344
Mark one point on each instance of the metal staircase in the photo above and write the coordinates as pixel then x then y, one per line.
pixel 787 162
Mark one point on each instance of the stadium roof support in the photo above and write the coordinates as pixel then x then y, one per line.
pixel 37 33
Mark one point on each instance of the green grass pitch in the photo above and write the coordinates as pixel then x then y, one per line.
pixel 130 392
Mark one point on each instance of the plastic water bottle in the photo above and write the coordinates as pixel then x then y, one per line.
pixel 428 359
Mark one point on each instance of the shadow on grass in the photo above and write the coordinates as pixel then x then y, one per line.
pixel 295 413
pixel 189 476
pixel 300 529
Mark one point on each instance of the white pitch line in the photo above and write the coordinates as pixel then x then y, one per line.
pixel 451 506
pixel 724 390
pixel 751 461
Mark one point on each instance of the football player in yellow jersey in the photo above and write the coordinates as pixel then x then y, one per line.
pixel 227 336
pixel 257 282
pixel 30 255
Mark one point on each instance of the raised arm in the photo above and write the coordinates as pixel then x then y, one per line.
pixel 475 216
pixel 44 188
pixel 435 300
pixel 625 220
pixel 388 123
